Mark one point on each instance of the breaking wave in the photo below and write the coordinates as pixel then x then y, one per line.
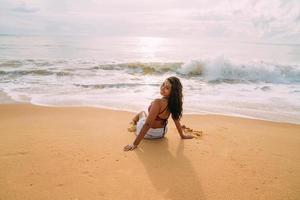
pixel 216 70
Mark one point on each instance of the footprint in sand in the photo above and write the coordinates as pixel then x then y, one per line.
pixel 197 134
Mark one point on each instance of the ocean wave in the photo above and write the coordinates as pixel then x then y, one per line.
pixel 216 70
pixel 38 72
pixel 212 70
pixel 11 63
pixel 142 68
pixel 117 85
pixel 221 70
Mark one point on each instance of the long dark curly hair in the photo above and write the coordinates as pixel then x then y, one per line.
pixel 175 98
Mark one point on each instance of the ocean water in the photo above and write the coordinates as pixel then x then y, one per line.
pixel 253 80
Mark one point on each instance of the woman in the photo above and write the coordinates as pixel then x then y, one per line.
pixel 154 125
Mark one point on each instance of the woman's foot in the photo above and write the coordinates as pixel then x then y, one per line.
pixel 132 126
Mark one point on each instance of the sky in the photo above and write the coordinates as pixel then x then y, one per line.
pixel 243 20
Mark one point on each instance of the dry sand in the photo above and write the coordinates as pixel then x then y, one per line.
pixel 77 153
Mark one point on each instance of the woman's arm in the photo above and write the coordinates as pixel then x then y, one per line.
pixel 150 119
pixel 179 129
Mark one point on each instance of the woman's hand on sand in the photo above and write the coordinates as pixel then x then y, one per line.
pixel 129 147
pixel 188 137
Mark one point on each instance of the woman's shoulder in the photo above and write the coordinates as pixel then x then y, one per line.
pixel 160 101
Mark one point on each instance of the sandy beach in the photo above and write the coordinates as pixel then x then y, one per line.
pixel 77 153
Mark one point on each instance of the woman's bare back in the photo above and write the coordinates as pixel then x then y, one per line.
pixel 163 114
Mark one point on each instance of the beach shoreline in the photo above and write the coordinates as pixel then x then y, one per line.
pixel 6 100
pixel 217 85
pixel 77 153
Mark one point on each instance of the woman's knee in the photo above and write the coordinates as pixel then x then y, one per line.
pixel 142 114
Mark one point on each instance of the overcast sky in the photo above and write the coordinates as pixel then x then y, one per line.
pixel 251 20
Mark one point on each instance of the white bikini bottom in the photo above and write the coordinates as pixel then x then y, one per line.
pixel 152 133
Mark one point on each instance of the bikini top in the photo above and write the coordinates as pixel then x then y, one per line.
pixel 157 117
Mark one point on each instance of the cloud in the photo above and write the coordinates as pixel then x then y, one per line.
pixel 233 19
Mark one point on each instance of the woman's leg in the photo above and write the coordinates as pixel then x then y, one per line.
pixel 139 116
pixel 132 126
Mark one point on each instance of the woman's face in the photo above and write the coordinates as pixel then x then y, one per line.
pixel 165 88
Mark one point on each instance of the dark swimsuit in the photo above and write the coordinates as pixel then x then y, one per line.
pixel 161 119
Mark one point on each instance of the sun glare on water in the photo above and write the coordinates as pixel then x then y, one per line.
pixel 149 47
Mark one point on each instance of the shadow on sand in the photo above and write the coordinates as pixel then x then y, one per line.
pixel 172 176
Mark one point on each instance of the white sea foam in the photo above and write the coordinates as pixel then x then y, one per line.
pixel 224 69
pixel 210 86
pixel 236 84
pixel 213 69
